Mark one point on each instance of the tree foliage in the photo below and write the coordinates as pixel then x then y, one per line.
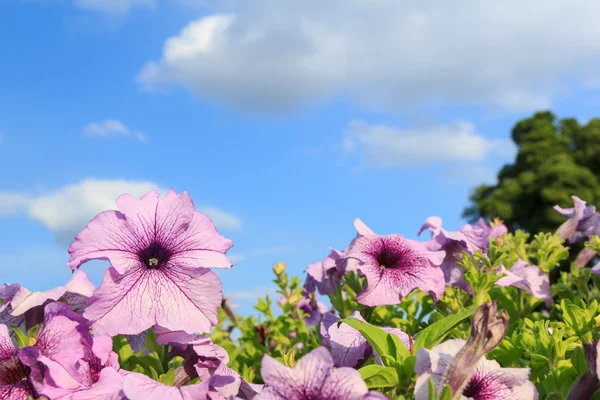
pixel 555 159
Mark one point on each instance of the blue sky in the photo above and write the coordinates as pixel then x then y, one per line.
pixel 284 120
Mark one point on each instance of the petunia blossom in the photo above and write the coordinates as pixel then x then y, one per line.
pixel 313 309
pixel 72 359
pixel 395 266
pixel 468 238
pixel 203 359
pixel 529 278
pixel 489 381
pixel 27 308
pixel 325 276
pixel 141 387
pixel 313 377
pixel 348 347
pixel 15 377
pixel 160 251
pixel 583 221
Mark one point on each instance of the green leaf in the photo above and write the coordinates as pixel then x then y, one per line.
pixel 432 394
pixel 446 393
pixel 21 337
pixel 122 347
pixel 148 363
pixel 151 342
pixel 388 346
pixel 376 376
pixel 435 333
pixel 153 373
pixel 168 378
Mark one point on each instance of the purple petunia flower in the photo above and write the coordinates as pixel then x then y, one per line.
pixel 25 309
pixel 494 229
pixel 313 309
pixel 313 377
pixel 395 266
pixel 203 359
pixel 348 347
pixel 72 359
pixel 529 278
pixel 159 250
pixel 15 377
pixel 488 382
pixel 140 387
pixel 325 276
pixel 583 221
pixel 468 238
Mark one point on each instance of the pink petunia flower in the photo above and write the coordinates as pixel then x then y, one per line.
pixel 203 359
pixel 529 278
pixel 326 275
pixel 66 360
pixel 15 377
pixel 160 251
pixel 25 309
pixel 348 346
pixel 140 387
pixel 488 381
pixel 313 377
pixel 395 266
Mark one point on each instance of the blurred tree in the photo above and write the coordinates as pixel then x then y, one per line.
pixel 555 159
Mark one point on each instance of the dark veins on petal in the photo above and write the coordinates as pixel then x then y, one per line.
pixel 391 253
pixel 483 386
pixel 155 256
pixel 14 373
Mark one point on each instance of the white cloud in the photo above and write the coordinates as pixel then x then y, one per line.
pixel 387 146
pixel 275 55
pixel 111 127
pixel 113 7
pixel 68 209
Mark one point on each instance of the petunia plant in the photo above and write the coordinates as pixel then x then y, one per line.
pixel 477 313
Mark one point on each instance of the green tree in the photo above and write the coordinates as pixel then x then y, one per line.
pixel 556 159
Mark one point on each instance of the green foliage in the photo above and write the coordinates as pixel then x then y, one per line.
pixel 555 160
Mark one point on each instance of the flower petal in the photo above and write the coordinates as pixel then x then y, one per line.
pixel 108 237
pixel 108 387
pixel 177 299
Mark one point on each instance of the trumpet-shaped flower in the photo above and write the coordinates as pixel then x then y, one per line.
pixel 160 251
pixel 488 381
pixel 24 308
pixel 15 377
pixel 529 278
pixel 313 309
pixel 140 387
pixel 583 221
pixel 313 377
pixel 348 347
pixel 395 266
pixel 203 359
pixel 72 359
pixel 325 276
pixel 468 238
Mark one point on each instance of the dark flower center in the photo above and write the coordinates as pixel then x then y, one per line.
pixel 484 387
pixel 12 371
pixel 391 253
pixel 155 256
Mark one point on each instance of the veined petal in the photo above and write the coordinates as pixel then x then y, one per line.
pixel 108 387
pixel 108 237
pixel 177 299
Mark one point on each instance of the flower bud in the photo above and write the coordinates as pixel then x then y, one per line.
pixel 279 268
pixel 487 331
